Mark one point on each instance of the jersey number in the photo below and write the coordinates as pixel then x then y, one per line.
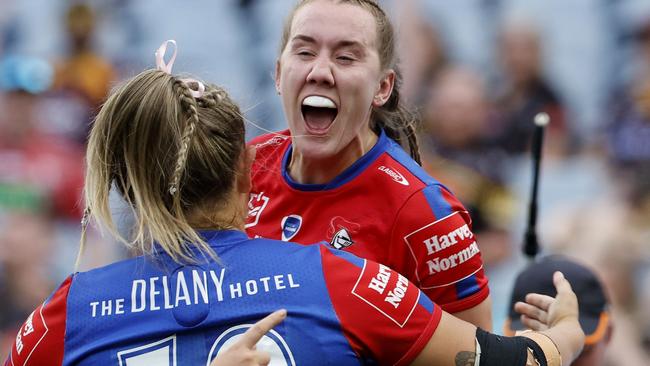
pixel 163 352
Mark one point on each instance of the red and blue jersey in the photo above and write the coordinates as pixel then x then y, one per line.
pixel 342 310
pixel 384 207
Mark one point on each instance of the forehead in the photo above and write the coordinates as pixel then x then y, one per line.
pixel 326 21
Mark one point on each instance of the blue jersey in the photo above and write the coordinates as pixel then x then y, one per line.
pixel 341 309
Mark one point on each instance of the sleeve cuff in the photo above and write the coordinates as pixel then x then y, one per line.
pixel 468 302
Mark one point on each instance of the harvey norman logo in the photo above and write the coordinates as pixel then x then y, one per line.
pixel 397 177
pixel 387 291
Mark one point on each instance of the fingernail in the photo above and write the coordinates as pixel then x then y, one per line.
pixel 282 313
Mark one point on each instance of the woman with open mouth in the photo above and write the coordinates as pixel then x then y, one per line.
pixel 340 174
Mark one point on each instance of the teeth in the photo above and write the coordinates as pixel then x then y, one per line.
pixel 316 101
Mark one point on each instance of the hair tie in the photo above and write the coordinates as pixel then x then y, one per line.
pixel 167 68
pixel 200 87
pixel 160 57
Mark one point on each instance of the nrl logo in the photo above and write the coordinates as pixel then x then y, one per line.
pixel 256 204
pixel 341 239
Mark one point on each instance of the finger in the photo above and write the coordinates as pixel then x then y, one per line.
pixel 531 311
pixel 533 324
pixel 561 283
pixel 259 329
pixel 541 301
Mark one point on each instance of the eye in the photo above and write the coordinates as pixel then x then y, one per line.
pixel 304 54
pixel 345 59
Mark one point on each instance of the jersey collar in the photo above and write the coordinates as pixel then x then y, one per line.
pixel 347 175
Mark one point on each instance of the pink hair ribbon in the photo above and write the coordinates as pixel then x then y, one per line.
pixel 160 57
pixel 167 67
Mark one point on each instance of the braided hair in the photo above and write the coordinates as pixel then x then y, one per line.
pixel 168 153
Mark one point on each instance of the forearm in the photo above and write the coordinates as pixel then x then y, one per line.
pixel 480 315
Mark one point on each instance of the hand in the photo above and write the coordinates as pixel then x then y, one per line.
pixel 541 312
pixel 243 352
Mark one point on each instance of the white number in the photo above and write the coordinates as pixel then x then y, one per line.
pixel 272 342
pixel 160 353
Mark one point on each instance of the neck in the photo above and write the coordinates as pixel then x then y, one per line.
pixel 308 170
pixel 220 216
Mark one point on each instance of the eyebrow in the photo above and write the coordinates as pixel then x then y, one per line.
pixel 339 44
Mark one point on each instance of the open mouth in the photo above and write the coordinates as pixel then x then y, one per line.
pixel 318 113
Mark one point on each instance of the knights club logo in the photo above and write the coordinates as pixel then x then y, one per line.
pixel 340 232
pixel 290 226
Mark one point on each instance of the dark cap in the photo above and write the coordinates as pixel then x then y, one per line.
pixel 538 278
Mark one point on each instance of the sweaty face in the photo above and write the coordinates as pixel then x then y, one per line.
pixel 329 77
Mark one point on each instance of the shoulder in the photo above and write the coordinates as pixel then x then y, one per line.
pixel 270 141
pixel 425 197
pixel 395 152
pixel 383 315
pixel 270 150
pixel 40 340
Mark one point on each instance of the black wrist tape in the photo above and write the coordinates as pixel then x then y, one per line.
pixel 500 351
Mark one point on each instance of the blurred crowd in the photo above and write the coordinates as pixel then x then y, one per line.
pixel 477 123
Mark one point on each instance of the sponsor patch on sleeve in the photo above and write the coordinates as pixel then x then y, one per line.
pixel 29 337
pixel 445 252
pixel 387 291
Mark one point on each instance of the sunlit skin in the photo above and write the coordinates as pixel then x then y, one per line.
pixel 331 52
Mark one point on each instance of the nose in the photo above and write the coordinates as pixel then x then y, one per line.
pixel 321 72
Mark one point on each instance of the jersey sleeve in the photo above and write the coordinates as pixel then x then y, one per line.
pixel 432 243
pixel 40 340
pixel 384 317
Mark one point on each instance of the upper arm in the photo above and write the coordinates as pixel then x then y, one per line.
pixel 440 252
pixel 40 340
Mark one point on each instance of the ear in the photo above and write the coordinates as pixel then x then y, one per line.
pixel 386 85
pixel 244 184
pixel 277 75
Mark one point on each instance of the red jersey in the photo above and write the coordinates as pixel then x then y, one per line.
pixel 384 207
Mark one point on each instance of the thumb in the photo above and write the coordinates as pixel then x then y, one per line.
pixel 561 283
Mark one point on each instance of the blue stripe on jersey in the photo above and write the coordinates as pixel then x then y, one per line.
pixel 348 174
pixel 352 259
pixel 397 153
pixel 426 303
pixel 438 204
pixel 466 287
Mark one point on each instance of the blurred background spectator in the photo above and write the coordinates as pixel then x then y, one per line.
pixel 522 90
pixel 477 71
pixel 593 301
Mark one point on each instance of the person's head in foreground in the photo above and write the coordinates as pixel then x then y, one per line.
pixel 592 301
pixel 176 154
pixel 174 149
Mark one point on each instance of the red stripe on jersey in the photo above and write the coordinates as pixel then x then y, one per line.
pixel 40 341
pixel 380 313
